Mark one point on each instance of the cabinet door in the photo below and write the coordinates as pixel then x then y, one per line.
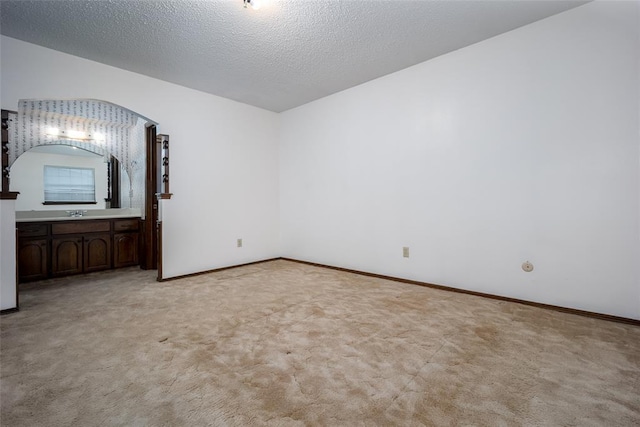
pixel 32 259
pixel 97 252
pixel 66 256
pixel 125 249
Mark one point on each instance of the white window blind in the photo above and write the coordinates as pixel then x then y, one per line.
pixel 67 184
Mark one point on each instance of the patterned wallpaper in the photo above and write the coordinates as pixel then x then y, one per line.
pixel 115 131
pixel 137 154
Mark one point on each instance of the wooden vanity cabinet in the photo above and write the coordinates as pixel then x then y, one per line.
pixel 32 259
pixel 126 243
pixel 33 251
pixel 80 254
pixel 81 246
pixel 62 248
pixel 66 256
pixel 97 252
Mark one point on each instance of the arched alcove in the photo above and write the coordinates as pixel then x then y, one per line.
pixel 112 132
pixel 94 125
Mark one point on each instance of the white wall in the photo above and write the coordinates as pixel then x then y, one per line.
pixel 224 161
pixel 8 296
pixel 27 179
pixel 522 147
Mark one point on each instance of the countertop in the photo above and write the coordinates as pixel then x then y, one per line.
pixel 41 216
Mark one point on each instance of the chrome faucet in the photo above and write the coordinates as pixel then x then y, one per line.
pixel 76 214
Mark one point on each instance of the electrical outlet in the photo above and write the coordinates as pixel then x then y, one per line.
pixel 239 243
pixel 405 251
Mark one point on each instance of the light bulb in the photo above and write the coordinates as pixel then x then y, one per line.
pixel 53 132
pixel 76 134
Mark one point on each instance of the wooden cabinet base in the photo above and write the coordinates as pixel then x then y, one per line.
pixel 54 249
pixel 97 252
pixel 125 249
pixel 66 256
pixel 33 259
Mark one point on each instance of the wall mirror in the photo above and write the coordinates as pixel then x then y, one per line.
pixel 112 183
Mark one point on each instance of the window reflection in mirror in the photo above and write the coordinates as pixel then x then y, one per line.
pixel 65 185
pixel 27 177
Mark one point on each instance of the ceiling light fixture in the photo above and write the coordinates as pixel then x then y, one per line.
pixel 255 4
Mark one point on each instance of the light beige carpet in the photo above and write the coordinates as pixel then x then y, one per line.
pixel 286 344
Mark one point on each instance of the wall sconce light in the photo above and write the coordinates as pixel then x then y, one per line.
pixel 75 135
pixel 255 4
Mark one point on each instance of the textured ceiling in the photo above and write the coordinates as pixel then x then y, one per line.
pixel 286 54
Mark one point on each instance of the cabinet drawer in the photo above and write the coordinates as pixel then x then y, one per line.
pixel 72 227
pixel 32 230
pixel 126 225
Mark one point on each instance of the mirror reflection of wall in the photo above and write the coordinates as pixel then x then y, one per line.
pixel 27 177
